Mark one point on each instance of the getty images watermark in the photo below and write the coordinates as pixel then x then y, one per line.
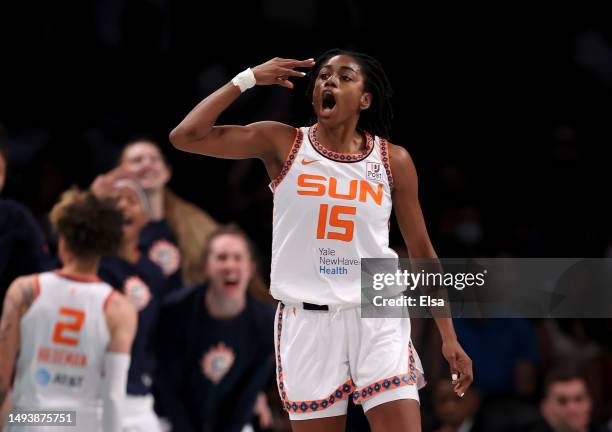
pixel 487 287
pixel 424 280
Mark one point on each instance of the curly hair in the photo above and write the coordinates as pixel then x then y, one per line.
pixel 90 226
pixel 376 119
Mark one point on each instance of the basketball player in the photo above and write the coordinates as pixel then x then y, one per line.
pixel 69 333
pixel 144 285
pixel 334 184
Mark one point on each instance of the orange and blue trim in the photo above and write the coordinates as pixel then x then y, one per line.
pixel 348 389
pixel 409 378
pixel 291 157
pixel 343 391
pixel 336 156
pixel 385 156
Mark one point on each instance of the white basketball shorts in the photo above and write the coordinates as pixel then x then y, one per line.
pixel 325 357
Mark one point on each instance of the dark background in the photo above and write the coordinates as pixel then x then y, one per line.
pixel 505 112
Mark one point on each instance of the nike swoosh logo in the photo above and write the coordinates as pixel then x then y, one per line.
pixel 305 162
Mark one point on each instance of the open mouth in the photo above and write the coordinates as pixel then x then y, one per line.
pixel 328 102
pixel 231 282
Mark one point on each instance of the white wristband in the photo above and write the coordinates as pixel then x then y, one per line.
pixel 244 80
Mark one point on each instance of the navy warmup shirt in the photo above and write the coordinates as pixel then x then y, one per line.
pixel 23 249
pixel 159 244
pixel 213 368
pixel 144 285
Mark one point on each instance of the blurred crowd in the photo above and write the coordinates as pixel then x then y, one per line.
pixel 203 353
pixel 507 121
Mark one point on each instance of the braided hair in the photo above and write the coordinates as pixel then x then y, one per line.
pixel 377 118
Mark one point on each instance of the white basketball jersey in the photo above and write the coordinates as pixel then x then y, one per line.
pixel 64 336
pixel 330 210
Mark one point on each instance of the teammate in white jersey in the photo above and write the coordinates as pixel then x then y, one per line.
pixel 68 333
pixel 334 184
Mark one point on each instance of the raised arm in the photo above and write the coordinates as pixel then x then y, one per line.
pixel 121 318
pixel 197 133
pixel 410 219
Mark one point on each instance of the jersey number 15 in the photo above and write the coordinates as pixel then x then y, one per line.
pixel 348 226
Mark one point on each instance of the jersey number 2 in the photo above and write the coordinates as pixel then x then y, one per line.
pixel 73 323
pixel 334 221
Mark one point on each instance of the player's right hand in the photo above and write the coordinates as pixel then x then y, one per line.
pixel 278 71
pixel 460 366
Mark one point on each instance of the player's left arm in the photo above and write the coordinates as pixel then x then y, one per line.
pixel 18 299
pixel 414 231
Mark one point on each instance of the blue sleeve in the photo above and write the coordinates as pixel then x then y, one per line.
pixel 261 373
pixel 170 377
pixel 245 400
pixel 23 249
